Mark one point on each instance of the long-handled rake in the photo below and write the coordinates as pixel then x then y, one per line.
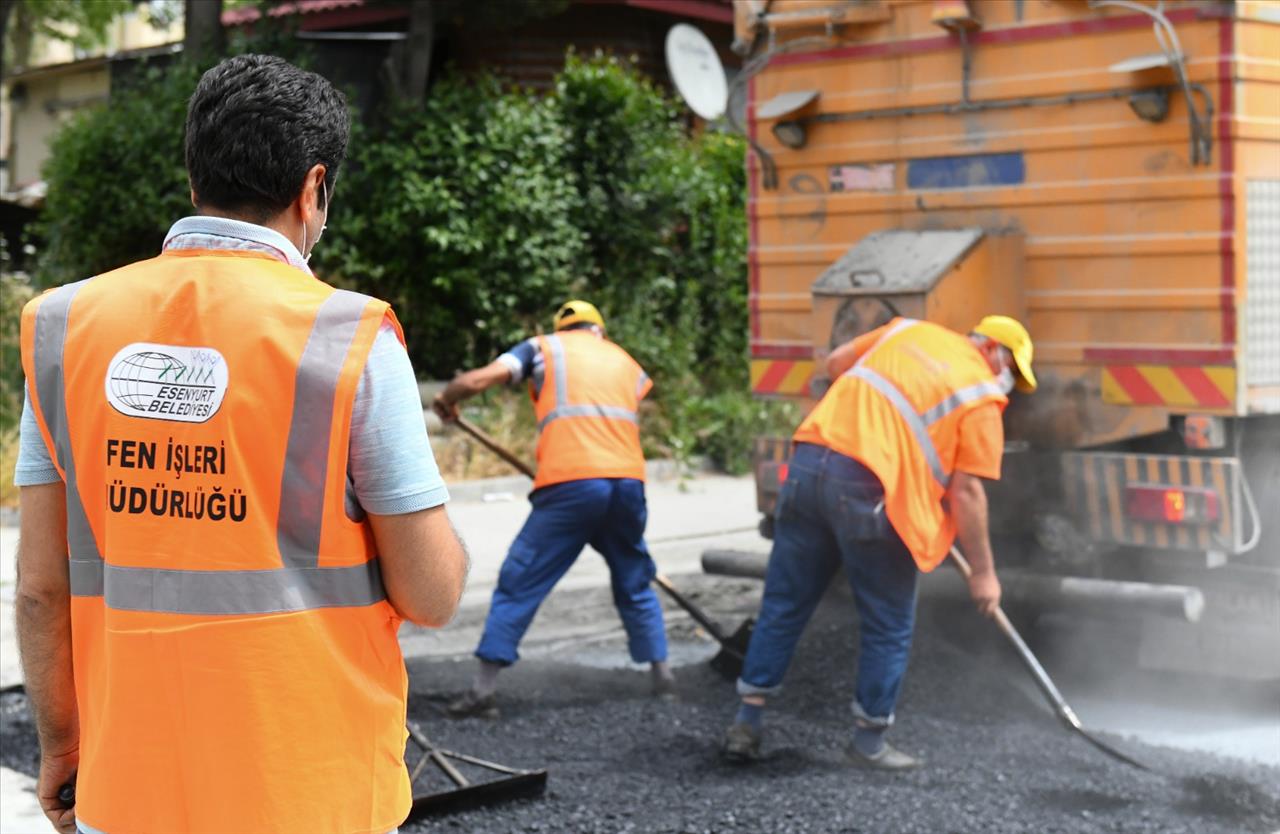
pixel 461 792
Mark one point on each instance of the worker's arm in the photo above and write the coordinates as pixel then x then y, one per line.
pixel 43 603
pixel 469 384
pixel 968 503
pixel 395 480
pixel 424 564
pixel 843 358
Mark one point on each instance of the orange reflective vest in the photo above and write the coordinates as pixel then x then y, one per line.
pixel 587 410
pixel 236 662
pixel 898 412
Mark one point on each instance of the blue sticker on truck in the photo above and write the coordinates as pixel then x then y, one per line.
pixel 975 171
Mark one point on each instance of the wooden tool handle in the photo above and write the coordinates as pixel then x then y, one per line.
pixel 483 438
pixel 1038 673
pixel 687 604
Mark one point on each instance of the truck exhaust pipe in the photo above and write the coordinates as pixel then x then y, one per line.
pixel 1106 597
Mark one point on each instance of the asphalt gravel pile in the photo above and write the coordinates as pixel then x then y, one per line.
pixel 620 761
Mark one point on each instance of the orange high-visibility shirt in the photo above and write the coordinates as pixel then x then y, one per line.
pixel 904 410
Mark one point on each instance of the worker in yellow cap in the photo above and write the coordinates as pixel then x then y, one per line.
pixel 589 489
pixel 885 474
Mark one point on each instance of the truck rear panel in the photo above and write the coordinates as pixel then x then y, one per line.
pixel 1149 278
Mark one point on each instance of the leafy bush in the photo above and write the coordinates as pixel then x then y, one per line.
pixel 116 179
pixel 478 212
pixel 475 214
pixel 14 293
pixel 665 219
pixel 460 214
pixel 116 174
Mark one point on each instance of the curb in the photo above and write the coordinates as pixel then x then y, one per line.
pixel 508 487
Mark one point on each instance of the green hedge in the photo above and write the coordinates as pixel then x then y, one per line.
pixel 458 212
pixel 475 214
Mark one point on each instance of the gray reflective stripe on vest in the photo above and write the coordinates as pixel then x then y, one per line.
pixel 964 396
pixel 641 382
pixel 223 592
pixel 611 412
pixel 562 408
pixel 50 341
pixel 919 423
pixel 561 372
pixel 913 420
pixel 306 463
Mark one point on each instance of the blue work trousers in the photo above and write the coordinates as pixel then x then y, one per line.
pixel 607 513
pixel 831 512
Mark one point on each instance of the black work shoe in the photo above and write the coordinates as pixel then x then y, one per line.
pixel 889 758
pixel 472 705
pixel 664 689
pixel 741 744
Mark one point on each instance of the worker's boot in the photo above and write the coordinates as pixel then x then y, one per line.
pixel 741 744
pixel 887 757
pixel 664 681
pixel 473 705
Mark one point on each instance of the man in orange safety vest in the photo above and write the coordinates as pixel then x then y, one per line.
pixel 886 471
pixel 228 505
pixel 589 489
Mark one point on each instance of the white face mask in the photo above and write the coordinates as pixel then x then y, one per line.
pixel 1005 380
pixel 306 254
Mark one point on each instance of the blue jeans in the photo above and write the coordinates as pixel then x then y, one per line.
pixel 831 511
pixel 607 513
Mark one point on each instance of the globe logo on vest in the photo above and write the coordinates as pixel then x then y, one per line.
pixel 166 382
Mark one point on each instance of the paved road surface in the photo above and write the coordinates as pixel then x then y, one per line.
pixel 685 517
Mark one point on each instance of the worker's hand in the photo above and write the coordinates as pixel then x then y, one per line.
pixel 56 771
pixel 444 409
pixel 985 590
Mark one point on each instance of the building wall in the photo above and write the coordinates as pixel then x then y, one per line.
pixel 48 102
pixel 133 30
pixel 532 54
pixel 51 93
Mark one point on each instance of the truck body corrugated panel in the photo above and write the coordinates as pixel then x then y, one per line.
pixel 1130 248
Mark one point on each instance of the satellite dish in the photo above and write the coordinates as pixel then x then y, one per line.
pixel 697 72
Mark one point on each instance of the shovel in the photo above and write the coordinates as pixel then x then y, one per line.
pixel 1042 679
pixel 733 648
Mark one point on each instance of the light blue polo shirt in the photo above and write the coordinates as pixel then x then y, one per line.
pixel 391 469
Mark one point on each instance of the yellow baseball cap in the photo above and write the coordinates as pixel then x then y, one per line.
pixel 1010 333
pixel 576 312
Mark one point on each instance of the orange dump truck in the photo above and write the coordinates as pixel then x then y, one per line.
pixel 1109 173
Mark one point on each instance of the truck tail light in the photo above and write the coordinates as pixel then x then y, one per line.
pixel 1172 505
pixel 782 473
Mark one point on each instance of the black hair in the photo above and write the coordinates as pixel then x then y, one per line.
pixel 578 325
pixel 255 125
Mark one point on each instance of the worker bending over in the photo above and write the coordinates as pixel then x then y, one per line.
pixel 232 454
pixel 589 489
pixel 886 471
